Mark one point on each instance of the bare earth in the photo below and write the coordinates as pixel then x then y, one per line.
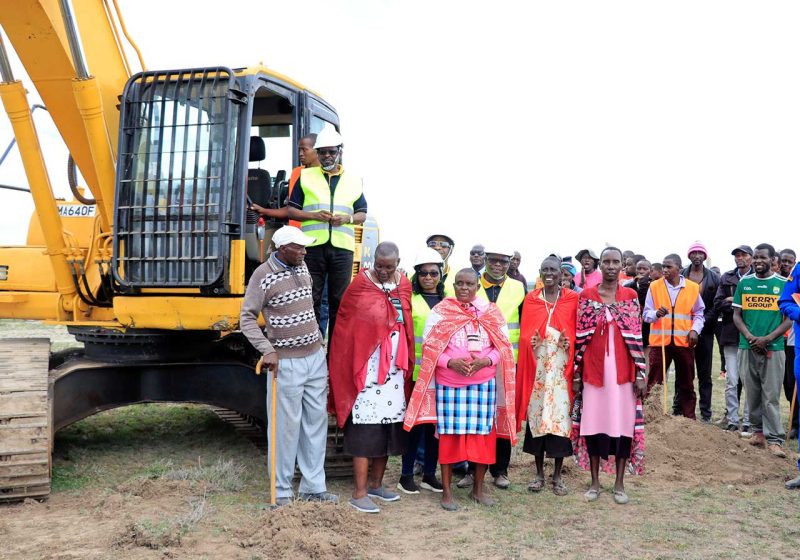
pixel 173 481
pixel 122 491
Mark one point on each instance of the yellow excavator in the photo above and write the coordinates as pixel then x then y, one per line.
pixel 149 270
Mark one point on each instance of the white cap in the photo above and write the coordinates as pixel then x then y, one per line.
pixel 499 251
pixel 428 256
pixel 290 234
pixel 328 138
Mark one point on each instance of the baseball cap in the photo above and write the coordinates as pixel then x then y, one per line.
pixel 290 234
pixel 744 249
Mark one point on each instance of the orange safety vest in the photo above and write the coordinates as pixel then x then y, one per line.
pixel 292 181
pixel 674 327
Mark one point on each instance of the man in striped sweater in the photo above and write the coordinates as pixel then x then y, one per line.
pixel 291 345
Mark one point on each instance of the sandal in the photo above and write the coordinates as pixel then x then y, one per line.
pixel 591 495
pixel 536 485
pixel 620 497
pixel 559 488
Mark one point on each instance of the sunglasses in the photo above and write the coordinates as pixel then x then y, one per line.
pixel 425 274
pixel 442 244
pixel 329 152
pixel 504 262
pixel 476 253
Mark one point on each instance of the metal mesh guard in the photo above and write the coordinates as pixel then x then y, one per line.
pixel 173 178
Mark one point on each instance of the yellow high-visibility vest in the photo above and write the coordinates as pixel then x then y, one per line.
pixel 317 196
pixel 419 315
pixel 510 298
pixel 673 327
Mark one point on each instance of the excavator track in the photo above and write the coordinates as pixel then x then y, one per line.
pixel 337 464
pixel 25 421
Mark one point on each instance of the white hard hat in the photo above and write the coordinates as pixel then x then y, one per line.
pixel 328 138
pixel 428 256
pixel 499 251
pixel 290 234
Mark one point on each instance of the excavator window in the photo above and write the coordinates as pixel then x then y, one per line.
pixel 174 178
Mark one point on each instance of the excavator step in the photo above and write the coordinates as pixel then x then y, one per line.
pixel 25 432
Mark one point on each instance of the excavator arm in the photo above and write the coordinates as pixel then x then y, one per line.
pixel 80 90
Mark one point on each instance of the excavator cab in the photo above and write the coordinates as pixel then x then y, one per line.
pixel 196 147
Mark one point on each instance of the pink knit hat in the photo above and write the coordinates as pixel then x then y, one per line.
pixel 697 246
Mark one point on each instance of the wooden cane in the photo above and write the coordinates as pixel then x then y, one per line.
pixel 791 412
pixel 272 429
pixel 664 373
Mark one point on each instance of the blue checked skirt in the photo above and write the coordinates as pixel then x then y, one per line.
pixel 466 410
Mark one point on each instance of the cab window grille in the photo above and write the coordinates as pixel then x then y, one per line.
pixel 174 178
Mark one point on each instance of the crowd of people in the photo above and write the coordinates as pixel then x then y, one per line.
pixel 448 367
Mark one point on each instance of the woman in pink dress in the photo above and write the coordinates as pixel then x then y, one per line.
pixel 609 375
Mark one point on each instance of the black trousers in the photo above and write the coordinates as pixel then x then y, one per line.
pixel 703 355
pixel 337 265
pixel 502 459
pixel 788 383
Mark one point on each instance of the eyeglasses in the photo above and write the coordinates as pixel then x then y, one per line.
pixel 322 152
pixel 425 274
pixel 476 253
pixel 442 244
pixel 504 262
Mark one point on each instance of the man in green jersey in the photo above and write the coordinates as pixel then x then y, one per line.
pixel 761 348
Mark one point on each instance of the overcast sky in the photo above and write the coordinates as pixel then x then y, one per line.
pixel 537 126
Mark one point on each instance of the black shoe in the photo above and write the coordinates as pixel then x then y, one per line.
pixel 429 482
pixel 408 485
pixel 793 433
pixel 731 428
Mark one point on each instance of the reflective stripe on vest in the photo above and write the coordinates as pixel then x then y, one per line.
pixel 419 315
pixel 317 196
pixel 508 300
pixel 674 327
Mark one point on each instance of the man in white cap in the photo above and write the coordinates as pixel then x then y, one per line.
pixel 508 294
pixel 329 203
pixel 280 290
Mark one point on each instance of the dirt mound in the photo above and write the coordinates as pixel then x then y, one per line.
pixel 692 453
pixel 309 530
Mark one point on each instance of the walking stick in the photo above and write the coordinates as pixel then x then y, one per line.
pixel 664 373
pixel 791 412
pixel 272 429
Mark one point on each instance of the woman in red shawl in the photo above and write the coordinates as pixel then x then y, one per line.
pixel 609 373
pixel 544 373
pixel 371 361
pixel 465 383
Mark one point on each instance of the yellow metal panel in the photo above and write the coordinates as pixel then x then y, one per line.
pixel 29 269
pixel 29 305
pixel 237 266
pixel 178 313
pixel 80 226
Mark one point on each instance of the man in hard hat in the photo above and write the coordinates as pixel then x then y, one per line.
pixel 292 345
pixel 308 158
pixel 329 202
pixel 508 294
pixel 444 245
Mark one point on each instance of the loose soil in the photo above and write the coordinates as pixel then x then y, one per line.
pixel 706 493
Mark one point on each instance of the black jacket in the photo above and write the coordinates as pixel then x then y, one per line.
pixel 708 292
pixel 729 335
pixel 641 290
